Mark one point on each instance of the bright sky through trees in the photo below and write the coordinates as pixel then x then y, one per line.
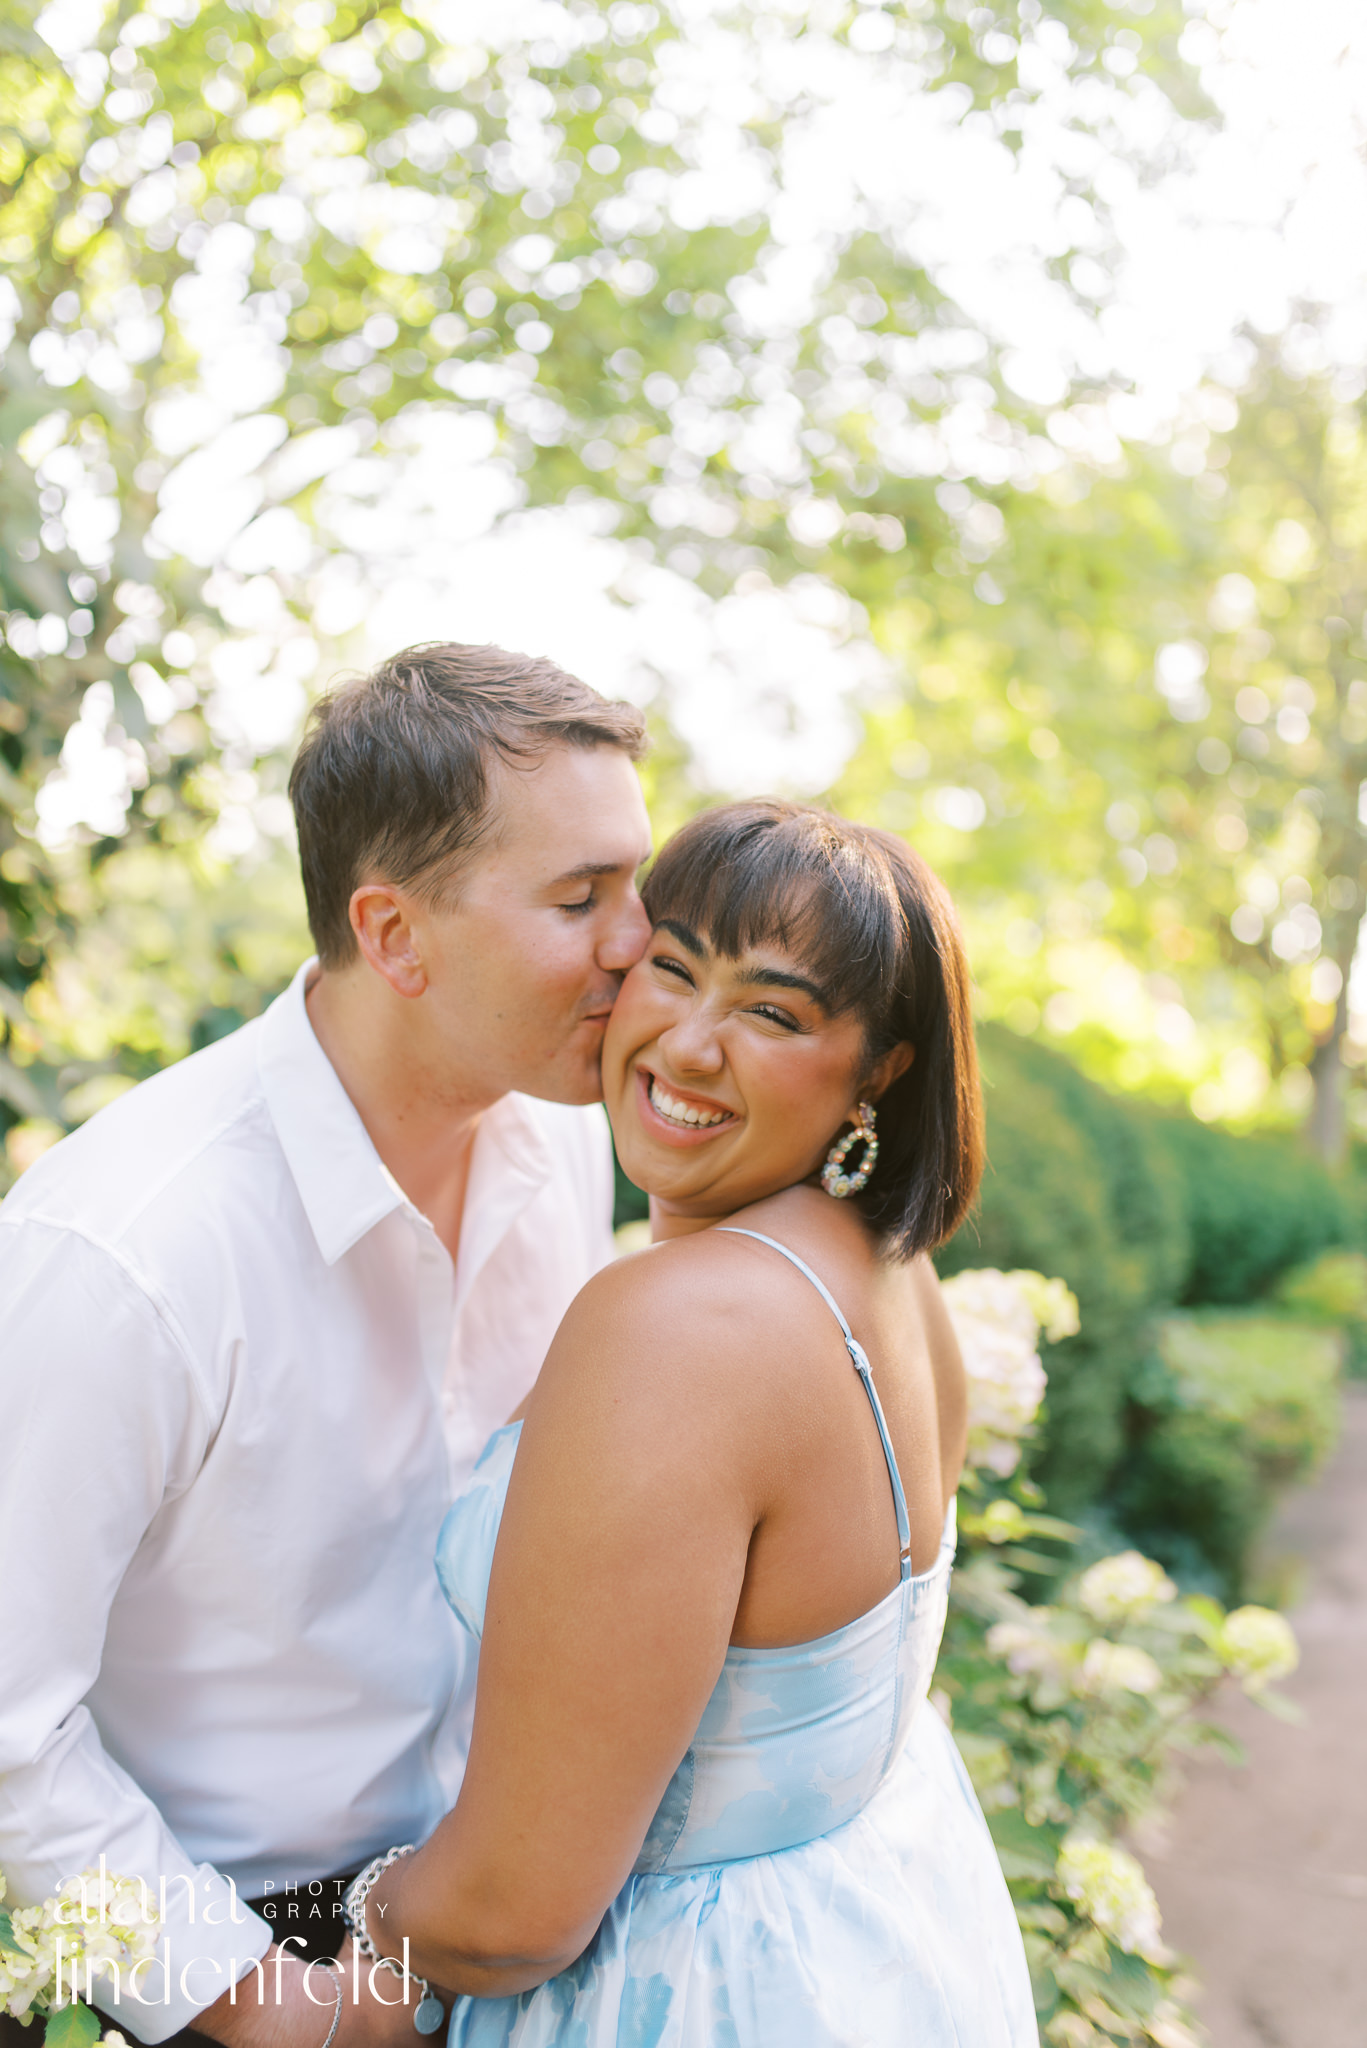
pixel 935 406
pixel 1246 224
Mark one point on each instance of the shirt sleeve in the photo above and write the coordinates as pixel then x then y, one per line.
pixel 104 1422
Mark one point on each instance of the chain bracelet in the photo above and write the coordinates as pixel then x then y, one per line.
pixel 353 1905
pixel 331 1963
pixel 430 2011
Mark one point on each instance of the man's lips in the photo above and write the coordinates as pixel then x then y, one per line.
pixel 665 1128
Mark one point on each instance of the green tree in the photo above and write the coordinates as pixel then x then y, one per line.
pixel 271 229
pixel 1286 621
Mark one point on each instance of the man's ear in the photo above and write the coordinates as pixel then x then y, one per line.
pixel 890 1068
pixel 382 919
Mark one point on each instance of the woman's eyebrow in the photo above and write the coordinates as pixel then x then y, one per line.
pixel 765 977
pixel 685 935
pixel 775 977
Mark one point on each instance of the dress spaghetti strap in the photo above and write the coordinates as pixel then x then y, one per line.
pixel 862 1367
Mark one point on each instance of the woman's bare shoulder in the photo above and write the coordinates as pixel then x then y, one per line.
pixel 925 1284
pixel 692 1307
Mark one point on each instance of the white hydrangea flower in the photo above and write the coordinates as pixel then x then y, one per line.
pixel 25 1972
pixel 1258 1646
pixel 1053 1304
pixel 1110 1888
pixel 98 1919
pixel 1117 1667
pixel 1123 1588
pixel 1030 1651
pixel 997 1328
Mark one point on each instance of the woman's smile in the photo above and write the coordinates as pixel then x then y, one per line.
pixel 677 1115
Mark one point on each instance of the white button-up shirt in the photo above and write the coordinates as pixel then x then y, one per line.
pixel 239 1379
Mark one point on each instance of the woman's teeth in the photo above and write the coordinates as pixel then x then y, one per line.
pixel 677 1112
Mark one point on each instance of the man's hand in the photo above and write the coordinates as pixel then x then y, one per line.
pixel 290 2004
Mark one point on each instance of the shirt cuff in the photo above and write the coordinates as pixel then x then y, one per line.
pixel 208 1942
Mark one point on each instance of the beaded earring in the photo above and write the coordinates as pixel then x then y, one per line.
pixel 838 1183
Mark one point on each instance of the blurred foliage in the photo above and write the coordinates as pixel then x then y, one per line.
pixel 1180 1430
pixel 1253 1208
pixel 1161 721
pixel 1331 1289
pixel 1070 1709
pixel 1277 1379
pixel 1229 1411
pixel 1079 1185
pixel 1123 691
pixel 290 235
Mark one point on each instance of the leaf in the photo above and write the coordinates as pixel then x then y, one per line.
pixel 1024 1851
pixel 75 2026
pixel 1050 1919
pixel 1050 1525
pixel 8 1938
pixel 1030 1561
pixel 1133 1987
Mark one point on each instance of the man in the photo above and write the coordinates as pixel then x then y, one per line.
pixel 261 1314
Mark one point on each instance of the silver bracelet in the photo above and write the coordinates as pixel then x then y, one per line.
pixel 332 1963
pixel 430 2011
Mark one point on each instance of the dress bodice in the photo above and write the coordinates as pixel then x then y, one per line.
pixel 794 1741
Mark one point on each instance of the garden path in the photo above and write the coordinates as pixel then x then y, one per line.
pixel 1262 1871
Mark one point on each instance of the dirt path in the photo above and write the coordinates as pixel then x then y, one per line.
pixel 1262 1874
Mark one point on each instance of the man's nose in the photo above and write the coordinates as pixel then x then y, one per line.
pixel 625 939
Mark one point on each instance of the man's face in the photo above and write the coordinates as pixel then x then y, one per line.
pixel 525 960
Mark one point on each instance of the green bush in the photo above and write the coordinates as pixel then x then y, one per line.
pixel 1254 1206
pixel 1076 1185
pixel 1141 1210
pixel 1332 1290
pixel 1229 1410
pixel 1192 1499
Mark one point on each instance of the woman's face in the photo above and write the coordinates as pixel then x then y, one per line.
pixel 726 1080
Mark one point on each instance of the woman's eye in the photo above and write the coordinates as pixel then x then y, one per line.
pixel 774 1016
pixel 674 967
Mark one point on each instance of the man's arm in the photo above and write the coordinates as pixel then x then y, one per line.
pixel 286 2002
pixel 104 1421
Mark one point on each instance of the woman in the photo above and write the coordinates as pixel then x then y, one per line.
pixel 706 1801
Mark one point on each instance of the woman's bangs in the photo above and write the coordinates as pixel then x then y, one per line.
pixel 753 882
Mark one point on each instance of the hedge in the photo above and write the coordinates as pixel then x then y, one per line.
pixel 1144 1211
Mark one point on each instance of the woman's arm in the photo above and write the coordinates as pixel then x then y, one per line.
pixel 638 1483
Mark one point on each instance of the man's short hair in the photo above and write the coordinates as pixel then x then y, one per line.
pixel 392 778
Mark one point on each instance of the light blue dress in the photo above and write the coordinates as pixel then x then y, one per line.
pixel 818 1872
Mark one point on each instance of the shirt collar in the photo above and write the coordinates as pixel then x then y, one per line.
pixel 345 1186
pixel 509 1166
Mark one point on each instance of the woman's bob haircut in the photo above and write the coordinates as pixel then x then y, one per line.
pixel 877 932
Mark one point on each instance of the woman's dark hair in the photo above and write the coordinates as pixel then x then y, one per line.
pixel 877 932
